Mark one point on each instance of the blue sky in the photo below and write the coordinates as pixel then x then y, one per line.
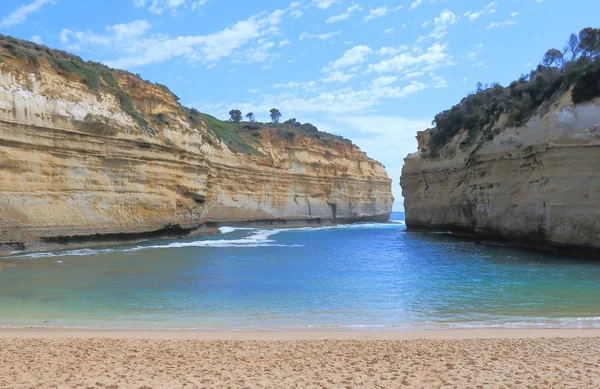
pixel 375 71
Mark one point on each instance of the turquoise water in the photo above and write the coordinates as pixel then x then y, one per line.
pixel 364 276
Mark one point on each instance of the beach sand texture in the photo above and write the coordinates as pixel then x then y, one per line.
pixel 132 361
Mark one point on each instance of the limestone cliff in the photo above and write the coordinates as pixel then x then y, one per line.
pixel 88 153
pixel 537 184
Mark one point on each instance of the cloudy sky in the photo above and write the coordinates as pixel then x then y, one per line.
pixel 375 71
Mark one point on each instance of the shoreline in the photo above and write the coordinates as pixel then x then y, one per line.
pixel 207 228
pixel 398 335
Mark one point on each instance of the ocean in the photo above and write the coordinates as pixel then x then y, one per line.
pixel 365 276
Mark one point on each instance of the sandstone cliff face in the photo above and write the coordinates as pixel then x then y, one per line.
pixel 75 166
pixel 538 185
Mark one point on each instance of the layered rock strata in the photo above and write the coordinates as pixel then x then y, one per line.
pixel 75 166
pixel 536 185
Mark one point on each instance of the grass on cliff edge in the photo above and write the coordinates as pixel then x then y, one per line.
pixel 479 112
pixel 239 137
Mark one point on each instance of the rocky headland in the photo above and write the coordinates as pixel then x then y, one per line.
pixel 91 154
pixel 519 163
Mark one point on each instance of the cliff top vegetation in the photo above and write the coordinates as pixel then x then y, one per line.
pixel 576 67
pixel 239 137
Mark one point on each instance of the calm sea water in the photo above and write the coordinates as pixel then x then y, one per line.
pixel 364 276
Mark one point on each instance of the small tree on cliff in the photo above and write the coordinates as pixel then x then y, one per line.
pixel 251 117
pixel 236 115
pixel 553 57
pixel 573 47
pixel 275 115
pixel 589 42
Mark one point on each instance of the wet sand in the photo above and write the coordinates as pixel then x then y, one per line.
pixel 423 359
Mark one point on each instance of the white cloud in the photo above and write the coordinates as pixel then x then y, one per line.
pixel 354 56
pixel 259 53
pixel 338 76
pixel 392 50
pixel 159 7
pixel 20 14
pixel 141 49
pixel 131 30
pixel 344 16
pixel 341 101
pixel 37 39
pixel 324 4
pixel 435 57
pixel 446 17
pixel 415 4
pixel 380 11
pixel 119 34
pixel 388 31
pixel 438 82
pixel 64 35
pixel 352 59
pixel 307 86
pixel 408 76
pixel 284 42
pixel 488 9
pixel 296 14
pixel 383 81
pixel 291 84
pixel 441 23
pixel 500 24
pixel 323 37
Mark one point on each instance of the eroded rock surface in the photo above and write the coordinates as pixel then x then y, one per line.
pixel 538 184
pixel 74 165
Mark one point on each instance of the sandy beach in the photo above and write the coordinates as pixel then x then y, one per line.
pixel 420 359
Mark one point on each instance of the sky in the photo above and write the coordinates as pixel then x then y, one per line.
pixel 374 71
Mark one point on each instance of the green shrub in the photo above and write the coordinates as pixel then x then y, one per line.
pixel 161 118
pixel 109 79
pixel 478 112
pixel 126 103
pixel 289 136
pixel 193 115
pixel 587 86
pixel 229 133
pixel 81 69
pixel 128 107
pixel 24 55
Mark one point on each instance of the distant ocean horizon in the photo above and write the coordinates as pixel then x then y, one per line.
pixel 366 276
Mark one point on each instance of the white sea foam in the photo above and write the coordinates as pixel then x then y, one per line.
pixel 400 222
pixel 227 230
pixel 258 238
